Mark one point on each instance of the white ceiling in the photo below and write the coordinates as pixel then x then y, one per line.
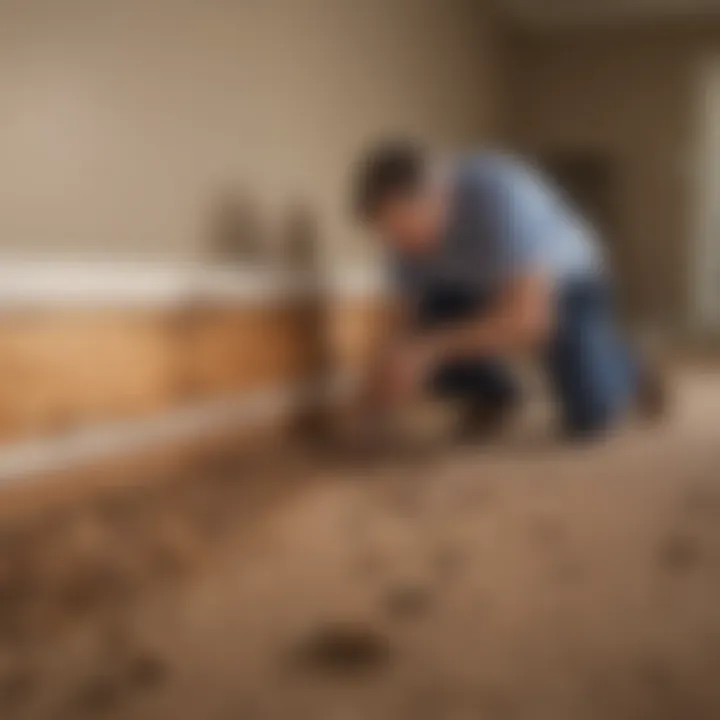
pixel 594 11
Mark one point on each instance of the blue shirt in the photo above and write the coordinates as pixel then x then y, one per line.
pixel 505 220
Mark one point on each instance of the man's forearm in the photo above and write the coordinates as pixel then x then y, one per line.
pixel 492 335
pixel 521 320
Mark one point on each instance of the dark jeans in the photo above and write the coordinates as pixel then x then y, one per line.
pixel 591 371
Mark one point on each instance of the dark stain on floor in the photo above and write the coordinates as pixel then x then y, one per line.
pixel 342 648
pixel 448 561
pixel 18 682
pixel 98 694
pixel 679 552
pixel 409 600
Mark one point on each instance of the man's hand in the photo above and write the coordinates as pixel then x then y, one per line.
pixel 405 368
pixel 395 378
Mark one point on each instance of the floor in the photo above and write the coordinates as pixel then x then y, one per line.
pixel 526 580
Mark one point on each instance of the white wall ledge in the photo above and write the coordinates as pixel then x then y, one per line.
pixel 39 456
pixel 58 284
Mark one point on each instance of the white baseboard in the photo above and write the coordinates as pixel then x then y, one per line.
pixel 38 457
pixel 61 283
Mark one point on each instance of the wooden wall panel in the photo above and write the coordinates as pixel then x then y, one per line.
pixel 64 370
pixel 59 370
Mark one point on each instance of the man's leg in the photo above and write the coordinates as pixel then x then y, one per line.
pixel 485 386
pixel 594 374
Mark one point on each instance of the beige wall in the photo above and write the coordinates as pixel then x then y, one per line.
pixel 120 122
pixel 634 94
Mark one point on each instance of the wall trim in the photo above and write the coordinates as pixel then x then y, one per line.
pixel 66 283
pixel 37 457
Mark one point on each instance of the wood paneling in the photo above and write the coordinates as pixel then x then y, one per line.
pixel 67 369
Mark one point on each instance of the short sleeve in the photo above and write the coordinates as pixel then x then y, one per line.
pixel 523 222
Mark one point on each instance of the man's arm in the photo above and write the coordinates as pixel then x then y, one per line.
pixel 521 319
pixel 521 215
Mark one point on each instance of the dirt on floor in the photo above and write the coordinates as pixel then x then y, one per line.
pixel 522 580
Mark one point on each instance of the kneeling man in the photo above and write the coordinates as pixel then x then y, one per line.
pixel 491 261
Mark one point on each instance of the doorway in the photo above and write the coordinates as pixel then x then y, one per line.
pixel 704 279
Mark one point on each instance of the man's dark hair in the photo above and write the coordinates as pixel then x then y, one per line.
pixel 390 170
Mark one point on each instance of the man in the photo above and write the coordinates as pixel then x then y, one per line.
pixel 492 262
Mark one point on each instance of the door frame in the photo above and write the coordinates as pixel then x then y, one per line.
pixel 704 265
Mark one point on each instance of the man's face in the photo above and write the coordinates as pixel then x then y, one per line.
pixel 412 225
